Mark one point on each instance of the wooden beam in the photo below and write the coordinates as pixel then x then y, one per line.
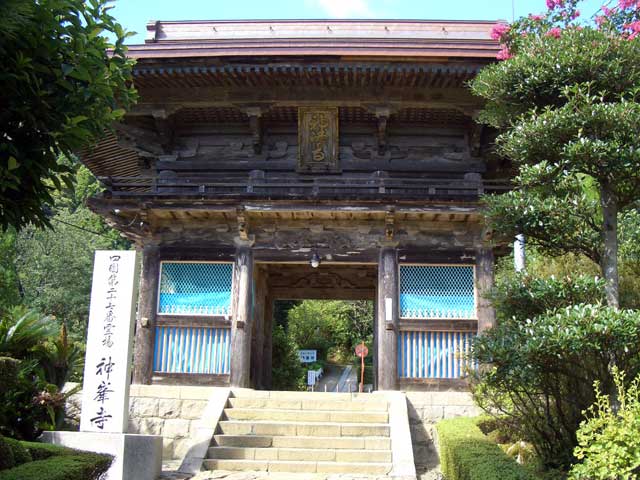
pixel 484 284
pixel 242 320
pixel 153 99
pixel 323 294
pixel 387 319
pixel 267 352
pixel 258 337
pixel 146 319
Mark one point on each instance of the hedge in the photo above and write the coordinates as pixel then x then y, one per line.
pixel 7 459
pixel 58 463
pixel 20 453
pixel 467 454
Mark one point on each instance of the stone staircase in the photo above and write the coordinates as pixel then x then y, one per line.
pixel 302 432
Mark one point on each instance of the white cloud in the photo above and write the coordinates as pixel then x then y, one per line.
pixel 344 8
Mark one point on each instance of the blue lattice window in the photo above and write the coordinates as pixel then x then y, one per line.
pixel 437 291
pixel 195 288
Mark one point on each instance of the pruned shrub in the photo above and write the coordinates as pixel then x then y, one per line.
pixel 523 296
pixel 537 375
pixel 609 440
pixel 6 455
pixel 467 454
pixel 58 463
pixel 20 453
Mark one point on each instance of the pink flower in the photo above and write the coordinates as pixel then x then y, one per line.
pixel 635 29
pixel 600 20
pixel 504 54
pixel 607 11
pixel 552 4
pixel 634 26
pixel 499 30
pixel 554 32
pixel 536 18
pixel 628 4
pixel 575 15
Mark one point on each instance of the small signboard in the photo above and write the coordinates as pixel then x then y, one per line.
pixel 318 149
pixel 311 377
pixel 308 356
pixel 105 390
pixel 362 350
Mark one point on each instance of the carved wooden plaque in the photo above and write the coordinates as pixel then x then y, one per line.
pixel 318 140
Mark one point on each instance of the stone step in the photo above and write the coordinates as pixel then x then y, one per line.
pixel 307 429
pixel 305 415
pixel 262 441
pixel 298 466
pixel 300 454
pixel 288 395
pixel 309 404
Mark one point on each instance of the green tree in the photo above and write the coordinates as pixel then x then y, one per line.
pixel 9 291
pixel 288 373
pixel 566 102
pixel 60 89
pixel 54 265
pixel 331 326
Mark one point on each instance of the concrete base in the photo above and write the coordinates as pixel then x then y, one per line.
pixel 137 457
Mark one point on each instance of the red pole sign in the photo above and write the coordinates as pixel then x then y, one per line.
pixel 362 351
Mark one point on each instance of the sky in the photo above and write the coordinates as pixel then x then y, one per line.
pixel 134 14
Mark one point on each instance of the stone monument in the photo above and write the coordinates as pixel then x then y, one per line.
pixel 107 374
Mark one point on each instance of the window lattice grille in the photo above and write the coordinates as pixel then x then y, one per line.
pixel 195 288
pixel 431 291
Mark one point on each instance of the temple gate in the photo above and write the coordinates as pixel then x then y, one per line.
pixel 283 160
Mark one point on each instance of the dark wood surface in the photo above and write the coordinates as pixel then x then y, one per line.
pixel 146 319
pixel 387 322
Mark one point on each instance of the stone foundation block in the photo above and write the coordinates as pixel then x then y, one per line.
pixel 176 428
pixel 135 456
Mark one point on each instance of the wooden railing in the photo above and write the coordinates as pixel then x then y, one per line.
pixel 287 187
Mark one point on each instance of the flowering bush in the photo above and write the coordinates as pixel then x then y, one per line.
pixel 608 440
pixel 563 15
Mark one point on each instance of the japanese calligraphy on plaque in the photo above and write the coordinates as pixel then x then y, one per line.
pixel 318 140
pixel 105 391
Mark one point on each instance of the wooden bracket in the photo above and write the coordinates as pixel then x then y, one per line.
pixel 389 224
pixel 255 124
pixel 382 134
pixel 389 326
pixel 382 113
pixel 475 139
pixel 243 228
pixel 164 123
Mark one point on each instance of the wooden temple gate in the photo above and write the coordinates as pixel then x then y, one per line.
pixel 244 163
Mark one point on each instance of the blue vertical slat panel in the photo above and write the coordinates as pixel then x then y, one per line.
pixel 192 350
pixel 434 354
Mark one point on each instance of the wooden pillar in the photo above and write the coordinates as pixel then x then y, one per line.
pixel 484 284
pixel 257 339
pixel 267 350
pixel 146 315
pixel 242 318
pixel 387 319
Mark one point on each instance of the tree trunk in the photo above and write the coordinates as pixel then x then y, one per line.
pixel 609 263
